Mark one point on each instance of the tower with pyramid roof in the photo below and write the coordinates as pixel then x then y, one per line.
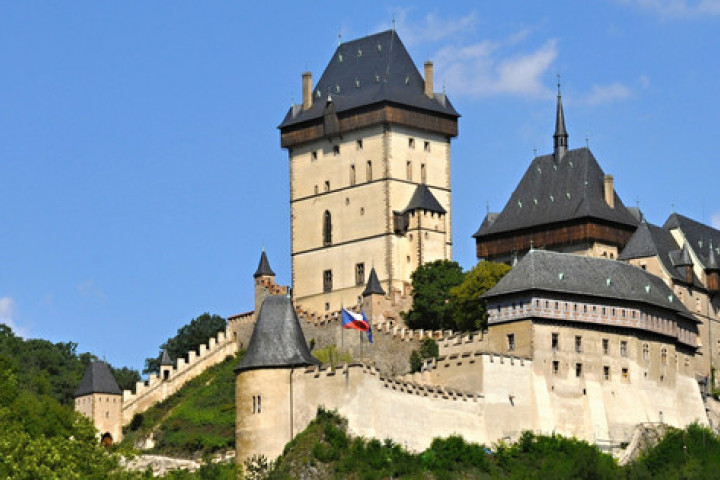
pixel 369 154
pixel 100 399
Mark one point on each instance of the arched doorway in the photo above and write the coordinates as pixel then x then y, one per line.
pixel 106 440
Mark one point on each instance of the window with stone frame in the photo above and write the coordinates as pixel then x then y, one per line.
pixel 578 344
pixel 605 346
pixel 623 348
pixel 360 274
pixel 555 341
pixel 511 341
pixel 327 281
pixel 606 372
pixel 327 228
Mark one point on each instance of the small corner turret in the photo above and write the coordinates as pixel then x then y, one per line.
pixel 712 272
pixel 166 365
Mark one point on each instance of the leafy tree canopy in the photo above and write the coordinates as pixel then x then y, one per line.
pixel 188 338
pixel 431 284
pixel 468 309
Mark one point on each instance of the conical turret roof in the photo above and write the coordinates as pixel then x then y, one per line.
pixel 373 285
pixel 165 360
pixel 712 263
pixel 684 260
pixel 277 340
pixel 423 199
pixel 264 269
pixel 98 379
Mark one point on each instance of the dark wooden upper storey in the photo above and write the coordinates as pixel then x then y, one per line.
pixel 369 81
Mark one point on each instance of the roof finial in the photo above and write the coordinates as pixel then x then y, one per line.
pixel 560 138
pixel 487 207
pixel 534 152
pixel 587 139
pixel 393 23
pixel 339 38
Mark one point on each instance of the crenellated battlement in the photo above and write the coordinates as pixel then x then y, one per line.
pixel 157 388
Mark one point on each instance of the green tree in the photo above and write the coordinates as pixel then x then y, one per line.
pixel 125 377
pixel 188 338
pixel 431 284
pixel 468 308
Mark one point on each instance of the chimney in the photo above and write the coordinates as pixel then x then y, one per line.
pixel 307 90
pixel 609 191
pixel 429 79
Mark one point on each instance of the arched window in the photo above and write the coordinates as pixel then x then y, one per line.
pixel 368 171
pixel 327 228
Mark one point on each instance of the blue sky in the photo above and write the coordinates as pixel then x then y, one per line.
pixel 140 166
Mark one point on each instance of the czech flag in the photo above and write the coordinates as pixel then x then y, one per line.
pixel 358 321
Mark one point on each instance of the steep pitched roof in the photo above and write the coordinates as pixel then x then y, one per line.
pixel 698 235
pixel 423 199
pixel 554 191
pixel 277 340
pixel 366 71
pixel 263 267
pixel 98 379
pixel 652 241
pixel 373 285
pixel 587 276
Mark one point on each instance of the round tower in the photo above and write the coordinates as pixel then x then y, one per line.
pixel 264 381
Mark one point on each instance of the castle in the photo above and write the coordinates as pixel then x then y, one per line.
pixel 604 322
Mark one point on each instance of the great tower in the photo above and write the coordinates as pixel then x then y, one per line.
pixel 369 154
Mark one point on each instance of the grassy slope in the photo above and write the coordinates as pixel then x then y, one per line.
pixel 198 419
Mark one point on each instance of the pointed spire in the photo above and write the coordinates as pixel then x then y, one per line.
pixel 165 360
pixel 373 285
pixel 264 269
pixel 560 138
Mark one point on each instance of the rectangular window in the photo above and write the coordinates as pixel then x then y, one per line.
pixel 411 142
pixel 605 346
pixel 555 341
pixel 578 343
pixel 511 341
pixel 360 274
pixel 625 375
pixel 555 367
pixel 623 348
pixel 313 155
pixel 327 185
pixel 427 146
pixel 408 167
pixel 359 143
pixel 336 150
pixel 327 281
pixel 423 173
pixel 606 372
pixel 578 369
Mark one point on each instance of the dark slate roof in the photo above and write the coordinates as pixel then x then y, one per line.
pixel 423 199
pixel 557 191
pixel 712 263
pixel 652 241
pixel 547 271
pixel 684 259
pixel 277 340
pixel 373 285
pixel 369 70
pixel 165 360
pixel 263 267
pixel 98 379
pixel 698 235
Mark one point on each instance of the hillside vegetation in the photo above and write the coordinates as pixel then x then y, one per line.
pixel 198 419
pixel 325 451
